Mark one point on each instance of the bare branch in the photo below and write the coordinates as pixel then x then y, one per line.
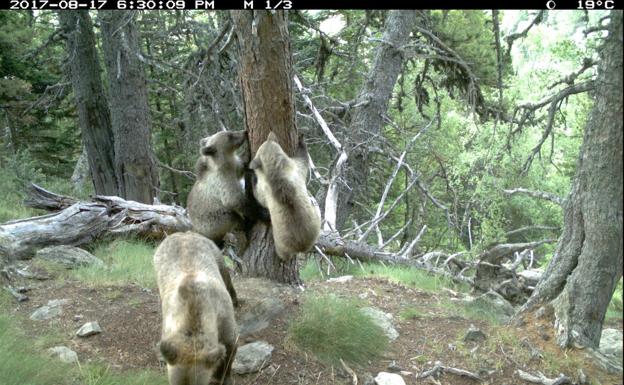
pixel 541 379
pixel 537 194
pixel 515 36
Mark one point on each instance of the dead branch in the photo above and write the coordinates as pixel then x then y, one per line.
pixel 515 36
pixel 497 252
pixel 529 228
pixel 536 194
pixel 40 198
pixel 331 198
pixel 439 369
pixel 384 195
pixel 541 379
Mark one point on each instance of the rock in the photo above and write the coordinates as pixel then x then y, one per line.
pixel 68 256
pixel 611 343
pixel 384 378
pixel 367 379
pixel 89 329
pixel 252 357
pixel 393 367
pixel 343 279
pixel 474 335
pixel 383 320
pixel 494 303
pixel 64 353
pixel 260 316
pixel 53 309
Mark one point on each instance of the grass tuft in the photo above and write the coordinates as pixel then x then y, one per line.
pixel 126 261
pixel 405 275
pixel 332 328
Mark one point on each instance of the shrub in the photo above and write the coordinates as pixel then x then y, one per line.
pixel 332 328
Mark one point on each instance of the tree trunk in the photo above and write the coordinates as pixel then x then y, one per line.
pixel 134 161
pixel 581 277
pixel 368 120
pixel 93 113
pixel 265 72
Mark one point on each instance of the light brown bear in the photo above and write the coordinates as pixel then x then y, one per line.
pixel 199 333
pixel 281 188
pixel 217 200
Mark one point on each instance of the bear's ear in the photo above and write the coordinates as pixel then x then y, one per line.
pixel 168 351
pixel 255 164
pixel 208 151
pixel 272 137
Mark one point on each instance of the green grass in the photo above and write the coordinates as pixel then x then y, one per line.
pixel 20 367
pixel 470 311
pixel 23 360
pixel 614 311
pixel 404 275
pixel 333 328
pixel 126 261
pixel 412 313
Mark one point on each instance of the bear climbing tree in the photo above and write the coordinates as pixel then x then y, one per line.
pixel 265 72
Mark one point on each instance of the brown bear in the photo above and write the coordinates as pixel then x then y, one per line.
pixel 199 333
pixel 281 188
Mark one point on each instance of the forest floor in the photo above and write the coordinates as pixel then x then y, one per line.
pixel 431 327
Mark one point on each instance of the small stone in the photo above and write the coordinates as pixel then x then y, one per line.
pixel 367 379
pixel 252 357
pixel 64 353
pixel 52 309
pixel 474 335
pixel 343 279
pixel 363 295
pixel 611 343
pixel 384 378
pixel 89 329
pixel 78 317
pixel 393 367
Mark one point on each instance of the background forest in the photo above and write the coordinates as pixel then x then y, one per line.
pixel 466 156
pixel 473 140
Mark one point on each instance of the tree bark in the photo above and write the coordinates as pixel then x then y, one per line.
pixel 266 79
pixel 91 104
pixel 368 120
pixel 136 172
pixel 587 264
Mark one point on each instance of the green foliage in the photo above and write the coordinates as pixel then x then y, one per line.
pixel 126 261
pixel 614 311
pixel 333 328
pixel 474 311
pixel 412 313
pixel 22 365
pixel 404 275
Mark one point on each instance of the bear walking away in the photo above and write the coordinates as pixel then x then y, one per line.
pixel 199 332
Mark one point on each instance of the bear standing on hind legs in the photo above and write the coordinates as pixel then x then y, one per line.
pixel 199 332
pixel 281 188
pixel 217 200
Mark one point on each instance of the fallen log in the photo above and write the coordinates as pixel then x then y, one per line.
pixel 78 222
pixel 83 222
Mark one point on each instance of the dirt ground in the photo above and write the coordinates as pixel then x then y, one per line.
pixel 130 318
